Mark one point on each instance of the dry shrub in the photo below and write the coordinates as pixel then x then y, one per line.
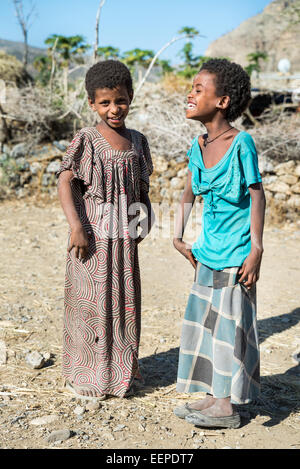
pixel 11 70
pixel 176 83
pixel 158 111
pixel 278 138
pixel 160 114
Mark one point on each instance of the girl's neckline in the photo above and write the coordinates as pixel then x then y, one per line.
pixel 224 157
pixel 114 149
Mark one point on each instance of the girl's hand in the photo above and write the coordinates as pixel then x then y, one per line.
pixel 79 240
pixel 185 250
pixel 249 271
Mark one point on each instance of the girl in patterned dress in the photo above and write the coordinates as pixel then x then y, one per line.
pixel 219 351
pixel 103 180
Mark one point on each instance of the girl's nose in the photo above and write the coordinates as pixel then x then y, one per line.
pixel 114 109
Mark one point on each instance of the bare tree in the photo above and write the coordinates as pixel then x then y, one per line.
pixel 97 29
pixel 24 21
pixel 168 44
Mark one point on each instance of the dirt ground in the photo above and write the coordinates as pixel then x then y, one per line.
pixel 33 244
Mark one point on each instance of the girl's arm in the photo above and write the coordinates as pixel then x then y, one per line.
pixel 250 269
pixel 184 210
pixel 144 199
pixel 79 237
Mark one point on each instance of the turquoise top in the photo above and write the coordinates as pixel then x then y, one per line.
pixel 225 237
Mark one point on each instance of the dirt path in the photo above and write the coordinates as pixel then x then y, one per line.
pixel 33 241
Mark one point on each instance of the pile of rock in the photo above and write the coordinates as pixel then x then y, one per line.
pixel 22 170
pixel 283 184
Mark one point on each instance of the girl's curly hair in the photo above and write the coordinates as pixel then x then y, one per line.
pixel 107 74
pixel 233 81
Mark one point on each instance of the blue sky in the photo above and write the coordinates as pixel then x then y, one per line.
pixel 127 24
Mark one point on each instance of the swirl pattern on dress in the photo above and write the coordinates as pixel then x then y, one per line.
pixel 102 316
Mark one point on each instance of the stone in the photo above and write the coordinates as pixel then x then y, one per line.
pixel 59 435
pixel 46 355
pixel 45 420
pixel 171 173
pixel 296 188
pixel 25 177
pixel 177 183
pixel 62 145
pixel 165 193
pixel 294 201
pixel 3 157
pixel 46 179
pixel 285 168
pixel 119 428
pixel 35 360
pixel 3 353
pixel 182 173
pixel 79 410
pixel 289 179
pixel 53 167
pixel 265 165
pixel 35 167
pixel 269 180
pixel 176 195
pixel 160 165
pixel 297 170
pixel 21 149
pixel 22 164
pixel 279 187
pixel 280 196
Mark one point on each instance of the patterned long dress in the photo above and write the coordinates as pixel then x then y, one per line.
pixel 102 314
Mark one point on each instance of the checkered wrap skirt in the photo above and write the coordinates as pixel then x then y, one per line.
pixel 219 352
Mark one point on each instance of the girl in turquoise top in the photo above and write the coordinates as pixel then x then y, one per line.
pixel 219 351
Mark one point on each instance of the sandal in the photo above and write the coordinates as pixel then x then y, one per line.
pixel 183 411
pixel 70 388
pixel 201 420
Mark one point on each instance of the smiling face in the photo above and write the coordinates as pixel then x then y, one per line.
pixel 203 102
pixel 112 105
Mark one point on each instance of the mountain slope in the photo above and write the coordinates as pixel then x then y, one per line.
pixel 274 31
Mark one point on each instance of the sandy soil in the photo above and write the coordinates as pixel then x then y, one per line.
pixel 33 243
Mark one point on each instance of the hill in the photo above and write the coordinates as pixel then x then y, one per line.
pixel 16 49
pixel 275 31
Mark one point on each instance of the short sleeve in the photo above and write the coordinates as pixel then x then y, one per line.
pixel 249 160
pixel 190 153
pixel 79 158
pixel 146 165
pixel 190 163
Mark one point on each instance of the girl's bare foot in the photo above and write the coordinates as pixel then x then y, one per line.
pixel 220 408
pixel 202 404
pixel 85 392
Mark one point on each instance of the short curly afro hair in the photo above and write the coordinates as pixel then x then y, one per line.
pixel 107 74
pixel 233 81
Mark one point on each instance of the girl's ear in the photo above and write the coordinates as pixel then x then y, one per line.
pixel 223 102
pixel 91 104
pixel 130 96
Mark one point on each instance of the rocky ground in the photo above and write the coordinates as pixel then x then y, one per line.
pixel 36 412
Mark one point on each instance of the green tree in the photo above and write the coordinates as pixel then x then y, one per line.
pixel 137 56
pixel 191 62
pixel 254 62
pixel 108 52
pixel 43 65
pixel 69 49
pixel 165 66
